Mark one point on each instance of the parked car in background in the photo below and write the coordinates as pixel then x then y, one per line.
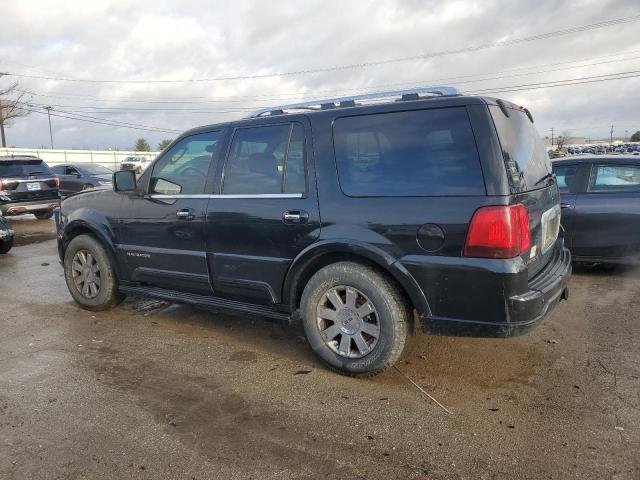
pixel 30 186
pixel 358 218
pixel 137 164
pixel 600 200
pixel 81 176
pixel 6 233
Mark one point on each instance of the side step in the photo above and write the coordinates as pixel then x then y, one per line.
pixel 205 301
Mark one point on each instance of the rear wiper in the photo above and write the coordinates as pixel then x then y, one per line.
pixel 548 176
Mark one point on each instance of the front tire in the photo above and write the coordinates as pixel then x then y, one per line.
pixel 355 319
pixel 5 246
pixel 43 214
pixel 90 275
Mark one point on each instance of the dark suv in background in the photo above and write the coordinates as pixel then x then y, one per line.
pixel 356 215
pixel 29 185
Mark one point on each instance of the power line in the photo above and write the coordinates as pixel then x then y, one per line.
pixel 111 123
pixel 422 56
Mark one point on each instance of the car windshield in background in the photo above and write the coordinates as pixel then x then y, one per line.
pixel 523 150
pixel 23 168
pixel 95 170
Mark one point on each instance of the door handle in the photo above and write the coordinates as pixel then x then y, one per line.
pixel 295 216
pixel 186 214
pixel 565 205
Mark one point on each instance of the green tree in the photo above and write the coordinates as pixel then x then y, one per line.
pixel 164 143
pixel 142 146
pixel 636 137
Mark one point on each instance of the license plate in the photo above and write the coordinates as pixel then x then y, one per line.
pixel 550 227
pixel 33 186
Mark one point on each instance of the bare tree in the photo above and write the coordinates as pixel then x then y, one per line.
pixel 12 100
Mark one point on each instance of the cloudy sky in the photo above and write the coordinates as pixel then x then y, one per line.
pixel 203 51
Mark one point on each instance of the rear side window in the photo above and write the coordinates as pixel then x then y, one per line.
pixel 523 151
pixel 566 176
pixel 417 153
pixel 266 160
pixel 615 178
pixel 23 168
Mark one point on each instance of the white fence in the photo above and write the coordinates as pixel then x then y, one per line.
pixel 111 159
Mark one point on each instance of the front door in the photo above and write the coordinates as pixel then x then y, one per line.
pixel 606 221
pixel 165 226
pixel 265 212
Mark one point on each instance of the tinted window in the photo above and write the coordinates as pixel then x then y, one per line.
pixel 183 169
pixel 267 159
pixel 23 168
pixel 566 176
pixel 96 170
pixel 615 178
pixel 523 150
pixel 58 169
pixel 418 153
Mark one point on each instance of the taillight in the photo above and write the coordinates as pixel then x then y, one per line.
pixel 56 182
pixel 1 185
pixel 498 232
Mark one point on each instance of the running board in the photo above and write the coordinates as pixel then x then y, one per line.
pixel 205 301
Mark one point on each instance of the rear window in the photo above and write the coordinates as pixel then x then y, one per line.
pixel 615 178
pixel 417 153
pixel 566 177
pixel 23 168
pixel 524 153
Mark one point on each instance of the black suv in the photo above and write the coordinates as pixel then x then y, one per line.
pixel 349 214
pixel 29 185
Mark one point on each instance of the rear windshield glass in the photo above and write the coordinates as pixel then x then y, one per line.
pixel 416 153
pixel 23 168
pixel 523 150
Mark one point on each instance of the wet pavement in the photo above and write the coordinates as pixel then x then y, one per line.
pixel 153 390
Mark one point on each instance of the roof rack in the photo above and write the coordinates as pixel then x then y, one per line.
pixel 341 102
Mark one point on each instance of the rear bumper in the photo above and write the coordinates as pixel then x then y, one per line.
pixel 17 208
pixel 498 301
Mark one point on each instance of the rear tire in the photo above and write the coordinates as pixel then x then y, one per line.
pixel 6 245
pixel 90 275
pixel 43 214
pixel 355 319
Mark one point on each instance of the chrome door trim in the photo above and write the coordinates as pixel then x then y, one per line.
pixel 161 196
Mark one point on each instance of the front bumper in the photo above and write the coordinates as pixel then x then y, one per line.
pixel 18 208
pixel 490 302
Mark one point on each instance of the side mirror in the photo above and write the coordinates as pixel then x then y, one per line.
pixel 124 181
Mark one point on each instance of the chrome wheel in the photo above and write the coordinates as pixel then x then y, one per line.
pixel 348 322
pixel 86 273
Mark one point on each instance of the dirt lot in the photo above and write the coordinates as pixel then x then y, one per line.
pixel 159 391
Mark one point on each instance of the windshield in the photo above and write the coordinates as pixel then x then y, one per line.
pixel 23 168
pixel 524 153
pixel 96 170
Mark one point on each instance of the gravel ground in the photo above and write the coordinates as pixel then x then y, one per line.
pixel 160 391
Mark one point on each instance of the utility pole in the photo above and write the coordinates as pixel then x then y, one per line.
pixel 4 140
pixel 611 137
pixel 551 137
pixel 626 135
pixel 48 109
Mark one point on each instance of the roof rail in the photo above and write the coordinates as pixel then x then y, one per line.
pixel 340 102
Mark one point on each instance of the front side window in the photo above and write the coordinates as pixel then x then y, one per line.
pixel 184 168
pixel 416 153
pixel 615 178
pixel 266 160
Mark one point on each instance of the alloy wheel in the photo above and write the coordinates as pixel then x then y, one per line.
pixel 348 321
pixel 86 273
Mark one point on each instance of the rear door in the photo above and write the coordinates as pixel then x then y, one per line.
pixel 607 215
pixel 265 211
pixel 570 182
pixel 164 228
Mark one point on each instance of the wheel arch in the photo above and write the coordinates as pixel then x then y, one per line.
pixel 321 254
pixel 79 227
